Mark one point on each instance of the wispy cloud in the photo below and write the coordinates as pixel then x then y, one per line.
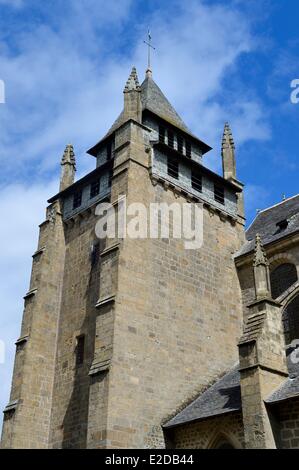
pixel 70 89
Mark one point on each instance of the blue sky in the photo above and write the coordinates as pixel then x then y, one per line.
pixel 64 64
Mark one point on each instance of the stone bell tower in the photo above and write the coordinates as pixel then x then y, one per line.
pixel 117 333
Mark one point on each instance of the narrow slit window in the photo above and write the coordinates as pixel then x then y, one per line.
pixel 188 149
pixel 109 150
pixel 77 200
pixel 173 168
pixel 180 144
pixel 171 139
pixel 80 350
pixel 219 193
pixel 162 134
pixel 110 178
pixel 95 253
pixel 94 188
pixel 196 181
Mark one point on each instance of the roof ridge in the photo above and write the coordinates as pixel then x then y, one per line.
pixel 278 204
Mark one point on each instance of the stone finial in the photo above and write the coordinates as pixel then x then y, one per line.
pixel 228 153
pixel 261 271
pixel 148 73
pixel 132 98
pixel 69 156
pixel 260 257
pixel 68 167
pixel 132 82
pixel 227 137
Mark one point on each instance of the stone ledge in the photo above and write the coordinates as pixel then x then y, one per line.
pixel 86 210
pixel 264 300
pixel 105 301
pixel 39 252
pixel 109 249
pixel 262 366
pixel 98 367
pixel 189 195
pixel 12 406
pixel 29 294
pixel 21 340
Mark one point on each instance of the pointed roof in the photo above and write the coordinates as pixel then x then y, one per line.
pixel 68 155
pixel 153 100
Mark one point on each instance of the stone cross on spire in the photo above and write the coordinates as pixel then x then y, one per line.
pixel 228 154
pixel 68 167
pixel 261 270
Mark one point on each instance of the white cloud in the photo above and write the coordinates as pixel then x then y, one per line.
pixel 69 90
pixel 196 54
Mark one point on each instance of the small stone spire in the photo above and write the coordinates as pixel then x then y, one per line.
pixel 260 257
pixel 228 154
pixel 68 167
pixel 261 270
pixel 132 82
pixel 132 97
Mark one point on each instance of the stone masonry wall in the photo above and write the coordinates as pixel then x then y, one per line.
pixel 28 424
pixel 288 414
pixel 77 317
pixel 176 321
pixel 206 434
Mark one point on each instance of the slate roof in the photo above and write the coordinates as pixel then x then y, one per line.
pixel 154 100
pixel 266 224
pixel 290 388
pixel 225 396
pixel 221 398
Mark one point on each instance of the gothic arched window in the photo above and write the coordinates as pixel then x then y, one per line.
pixel 282 278
pixel 291 321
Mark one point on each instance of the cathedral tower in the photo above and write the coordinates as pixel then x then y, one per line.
pixel 117 333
